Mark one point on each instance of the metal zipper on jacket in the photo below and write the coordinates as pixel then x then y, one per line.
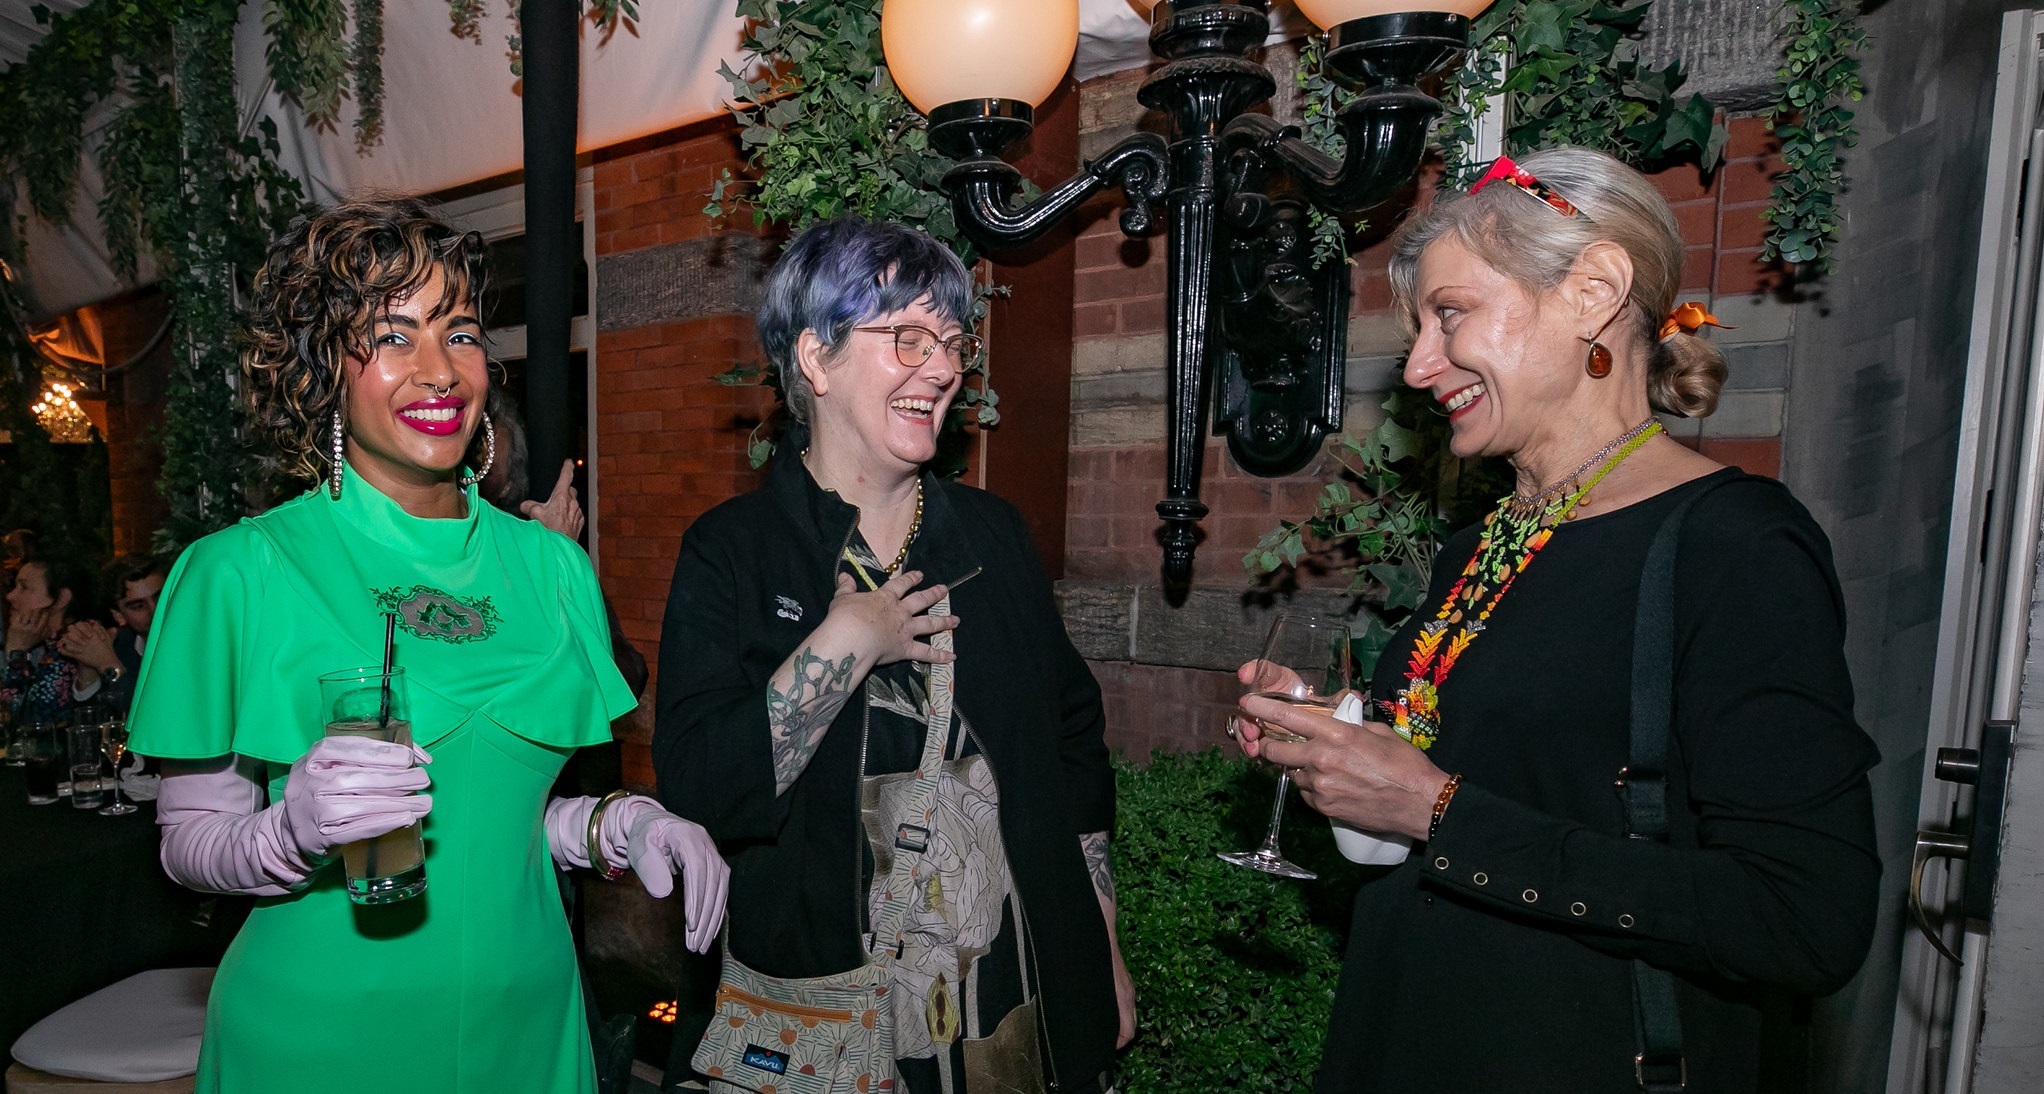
pixel 1021 912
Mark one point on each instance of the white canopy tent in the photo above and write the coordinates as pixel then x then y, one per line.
pixel 452 113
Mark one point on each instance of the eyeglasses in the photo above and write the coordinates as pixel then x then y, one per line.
pixel 913 346
pixel 1502 169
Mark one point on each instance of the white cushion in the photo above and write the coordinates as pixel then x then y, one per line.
pixel 144 1029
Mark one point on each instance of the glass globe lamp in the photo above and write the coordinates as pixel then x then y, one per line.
pixel 942 52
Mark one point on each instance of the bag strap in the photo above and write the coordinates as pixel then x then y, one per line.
pixel 1659 1065
pixel 912 830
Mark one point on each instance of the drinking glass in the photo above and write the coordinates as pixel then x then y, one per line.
pixel 17 753
pixel 114 742
pixel 44 758
pixel 370 702
pixel 82 749
pixel 1305 662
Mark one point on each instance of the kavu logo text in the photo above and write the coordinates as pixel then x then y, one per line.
pixel 430 613
pixel 766 1059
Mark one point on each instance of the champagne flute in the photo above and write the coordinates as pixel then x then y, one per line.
pixel 113 741
pixel 1305 663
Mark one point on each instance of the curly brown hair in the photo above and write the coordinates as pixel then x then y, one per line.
pixel 316 301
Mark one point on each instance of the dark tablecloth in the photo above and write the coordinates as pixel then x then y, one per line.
pixel 84 903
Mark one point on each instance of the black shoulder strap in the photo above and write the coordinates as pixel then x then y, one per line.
pixel 1643 785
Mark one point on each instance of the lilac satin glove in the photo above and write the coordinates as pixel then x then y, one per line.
pixel 218 837
pixel 660 845
pixel 352 788
pixel 657 844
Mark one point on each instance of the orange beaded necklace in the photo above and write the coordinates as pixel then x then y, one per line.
pixel 1512 535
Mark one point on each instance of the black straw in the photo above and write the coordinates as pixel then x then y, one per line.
pixel 389 661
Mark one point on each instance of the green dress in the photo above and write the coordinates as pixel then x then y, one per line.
pixel 470 986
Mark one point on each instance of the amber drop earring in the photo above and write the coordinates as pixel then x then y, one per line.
pixel 1598 364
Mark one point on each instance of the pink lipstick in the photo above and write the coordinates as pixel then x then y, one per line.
pixel 438 417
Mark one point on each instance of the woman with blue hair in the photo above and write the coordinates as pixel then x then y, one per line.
pixel 868 698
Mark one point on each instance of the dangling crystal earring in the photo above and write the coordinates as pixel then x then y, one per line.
pixel 1599 363
pixel 489 453
pixel 333 485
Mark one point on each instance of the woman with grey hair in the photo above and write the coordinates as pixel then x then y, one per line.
pixel 829 633
pixel 1633 613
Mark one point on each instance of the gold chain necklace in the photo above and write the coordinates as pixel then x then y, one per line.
pixel 915 525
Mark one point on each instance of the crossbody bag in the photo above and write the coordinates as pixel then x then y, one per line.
pixel 831 1034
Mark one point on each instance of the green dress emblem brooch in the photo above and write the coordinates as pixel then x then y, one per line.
pixel 442 616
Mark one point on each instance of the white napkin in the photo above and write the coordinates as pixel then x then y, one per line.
pixel 1356 845
pixel 137 786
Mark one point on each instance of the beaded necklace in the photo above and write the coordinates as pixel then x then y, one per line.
pixel 1512 535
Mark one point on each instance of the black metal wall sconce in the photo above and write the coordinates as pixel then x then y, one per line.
pixel 1255 334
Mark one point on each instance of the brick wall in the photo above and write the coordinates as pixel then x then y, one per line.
pixel 670 439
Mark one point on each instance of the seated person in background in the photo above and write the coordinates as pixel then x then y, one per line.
pixel 41 602
pixel 134 581
pixel 15 547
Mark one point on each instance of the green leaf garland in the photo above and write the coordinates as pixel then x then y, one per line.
pixel 307 55
pixel 367 61
pixel 1576 78
pixel 1819 76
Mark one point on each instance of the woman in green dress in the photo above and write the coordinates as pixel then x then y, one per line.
pixel 364 363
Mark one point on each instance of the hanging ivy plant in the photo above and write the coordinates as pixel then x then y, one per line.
pixel 466 19
pixel 1819 76
pixel 1322 98
pixel 367 61
pixel 307 53
pixel 181 183
pixel 823 127
pixel 1576 77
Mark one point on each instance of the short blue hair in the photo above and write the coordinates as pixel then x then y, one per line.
pixel 844 272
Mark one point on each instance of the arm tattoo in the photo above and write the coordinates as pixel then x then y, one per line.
pixel 1098 864
pixel 798 717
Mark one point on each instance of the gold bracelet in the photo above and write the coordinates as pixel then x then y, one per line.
pixel 1441 805
pixel 597 861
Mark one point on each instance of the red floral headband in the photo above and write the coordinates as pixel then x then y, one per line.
pixel 1502 169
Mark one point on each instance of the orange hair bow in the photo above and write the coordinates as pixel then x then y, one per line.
pixel 1689 318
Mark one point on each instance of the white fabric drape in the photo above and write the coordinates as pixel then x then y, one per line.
pixel 451 109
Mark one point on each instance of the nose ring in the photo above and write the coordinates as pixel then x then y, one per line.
pixel 440 392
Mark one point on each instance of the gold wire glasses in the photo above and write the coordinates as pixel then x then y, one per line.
pixel 913 345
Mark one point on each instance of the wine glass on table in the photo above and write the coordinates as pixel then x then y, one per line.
pixel 113 741
pixel 1305 663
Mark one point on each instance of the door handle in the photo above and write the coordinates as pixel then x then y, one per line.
pixel 1986 769
pixel 1930 844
